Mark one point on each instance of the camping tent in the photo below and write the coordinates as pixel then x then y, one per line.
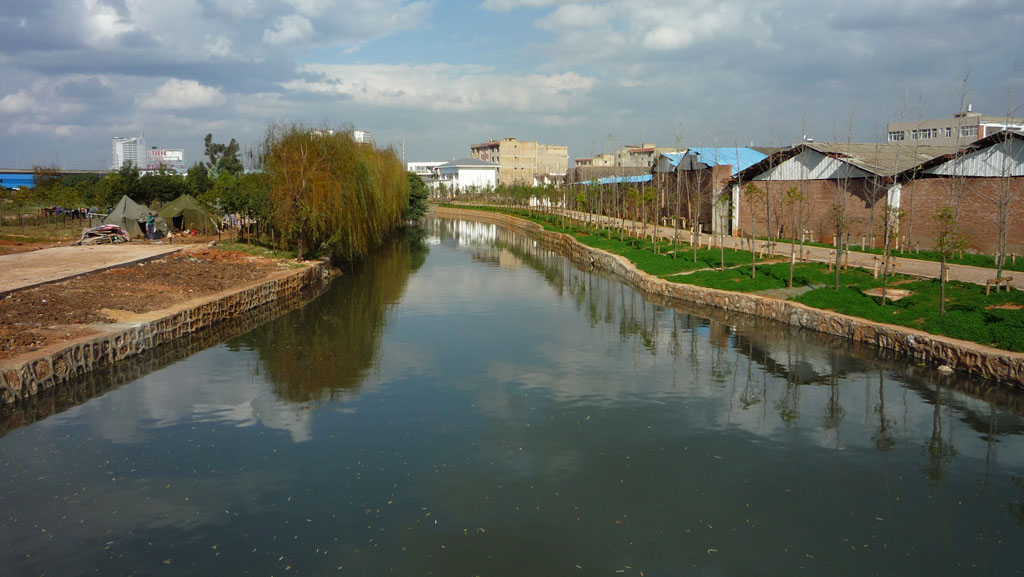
pixel 128 214
pixel 185 212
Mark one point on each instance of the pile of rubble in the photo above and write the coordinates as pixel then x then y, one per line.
pixel 106 234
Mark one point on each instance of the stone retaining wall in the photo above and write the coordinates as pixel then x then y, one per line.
pixel 25 380
pixel 997 365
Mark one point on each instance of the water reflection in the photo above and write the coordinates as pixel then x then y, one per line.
pixel 97 383
pixel 501 412
pixel 325 349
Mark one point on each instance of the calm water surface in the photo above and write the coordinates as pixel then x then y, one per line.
pixel 475 405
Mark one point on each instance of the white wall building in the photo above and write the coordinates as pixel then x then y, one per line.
pixel 425 170
pixel 127 150
pixel 363 137
pixel 465 174
pixel 171 159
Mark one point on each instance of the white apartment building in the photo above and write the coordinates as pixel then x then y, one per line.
pixel 466 174
pixel 425 170
pixel 128 150
pixel 960 130
pixel 363 137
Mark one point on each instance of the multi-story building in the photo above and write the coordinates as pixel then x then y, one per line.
pixel 363 137
pixel 630 156
pixel 467 174
pixel 599 160
pixel 131 150
pixel 170 159
pixel 423 169
pixel 519 161
pixel 960 130
pixel 642 155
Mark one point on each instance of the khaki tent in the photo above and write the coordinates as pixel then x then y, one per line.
pixel 131 216
pixel 185 212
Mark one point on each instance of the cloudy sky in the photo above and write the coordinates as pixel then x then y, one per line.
pixel 441 75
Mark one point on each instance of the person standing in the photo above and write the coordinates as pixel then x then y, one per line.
pixel 150 226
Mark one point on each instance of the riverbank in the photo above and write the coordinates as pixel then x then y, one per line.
pixel 994 364
pixel 73 332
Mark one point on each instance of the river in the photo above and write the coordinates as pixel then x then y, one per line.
pixel 469 403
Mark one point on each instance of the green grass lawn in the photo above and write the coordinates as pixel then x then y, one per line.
pixel 996 320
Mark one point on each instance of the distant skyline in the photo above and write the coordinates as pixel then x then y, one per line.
pixel 442 75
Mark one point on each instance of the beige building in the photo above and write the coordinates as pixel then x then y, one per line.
pixel 519 161
pixel 642 155
pixel 630 156
pixel 960 130
pixel 599 160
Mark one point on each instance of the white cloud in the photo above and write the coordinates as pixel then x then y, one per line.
pixel 219 47
pixel 443 87
pixel 176 94
pixel 16 103
pixel 577 16
pixel 612 29
pixel 288 29
pixel 312 8
pixel 102 25
pixel 507 5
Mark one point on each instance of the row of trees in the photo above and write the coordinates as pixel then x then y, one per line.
pixel 316 191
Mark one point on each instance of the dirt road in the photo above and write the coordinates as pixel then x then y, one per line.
pixel 54 295
pixel 26 269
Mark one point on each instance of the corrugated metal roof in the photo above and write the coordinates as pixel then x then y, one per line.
pixel 1000 154
pixel 882 159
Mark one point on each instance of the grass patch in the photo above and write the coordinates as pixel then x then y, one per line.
pixel 970 315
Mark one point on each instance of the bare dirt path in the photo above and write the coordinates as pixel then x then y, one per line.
pixel 59 294
pixel 26 269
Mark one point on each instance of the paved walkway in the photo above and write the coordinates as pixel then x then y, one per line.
pixel 26 269
pixel 908 266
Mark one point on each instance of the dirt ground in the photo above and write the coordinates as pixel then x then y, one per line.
pixel 36 317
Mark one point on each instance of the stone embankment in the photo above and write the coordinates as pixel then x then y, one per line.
pixel 22 379
pixel 994 364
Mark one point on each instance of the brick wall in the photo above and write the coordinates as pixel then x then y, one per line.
pixel 979 212
pixel 919 201
pixel 864 205
pixel 710 181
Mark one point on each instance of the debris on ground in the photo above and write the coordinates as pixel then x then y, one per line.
pixel 105 234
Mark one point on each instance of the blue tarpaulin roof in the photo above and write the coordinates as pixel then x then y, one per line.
pixel 16 179
pixel 747 157
pixel 739 158
pixel 618 179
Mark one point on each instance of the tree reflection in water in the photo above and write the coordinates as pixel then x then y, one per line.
pixel 324 349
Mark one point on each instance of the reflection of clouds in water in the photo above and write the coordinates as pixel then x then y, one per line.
pixel 204 389
pixel 454 286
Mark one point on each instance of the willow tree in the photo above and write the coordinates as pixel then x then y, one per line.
pixel 332 194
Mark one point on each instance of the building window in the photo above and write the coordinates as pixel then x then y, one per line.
pixel 949 132
pixel 896 136
pixel 968 131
